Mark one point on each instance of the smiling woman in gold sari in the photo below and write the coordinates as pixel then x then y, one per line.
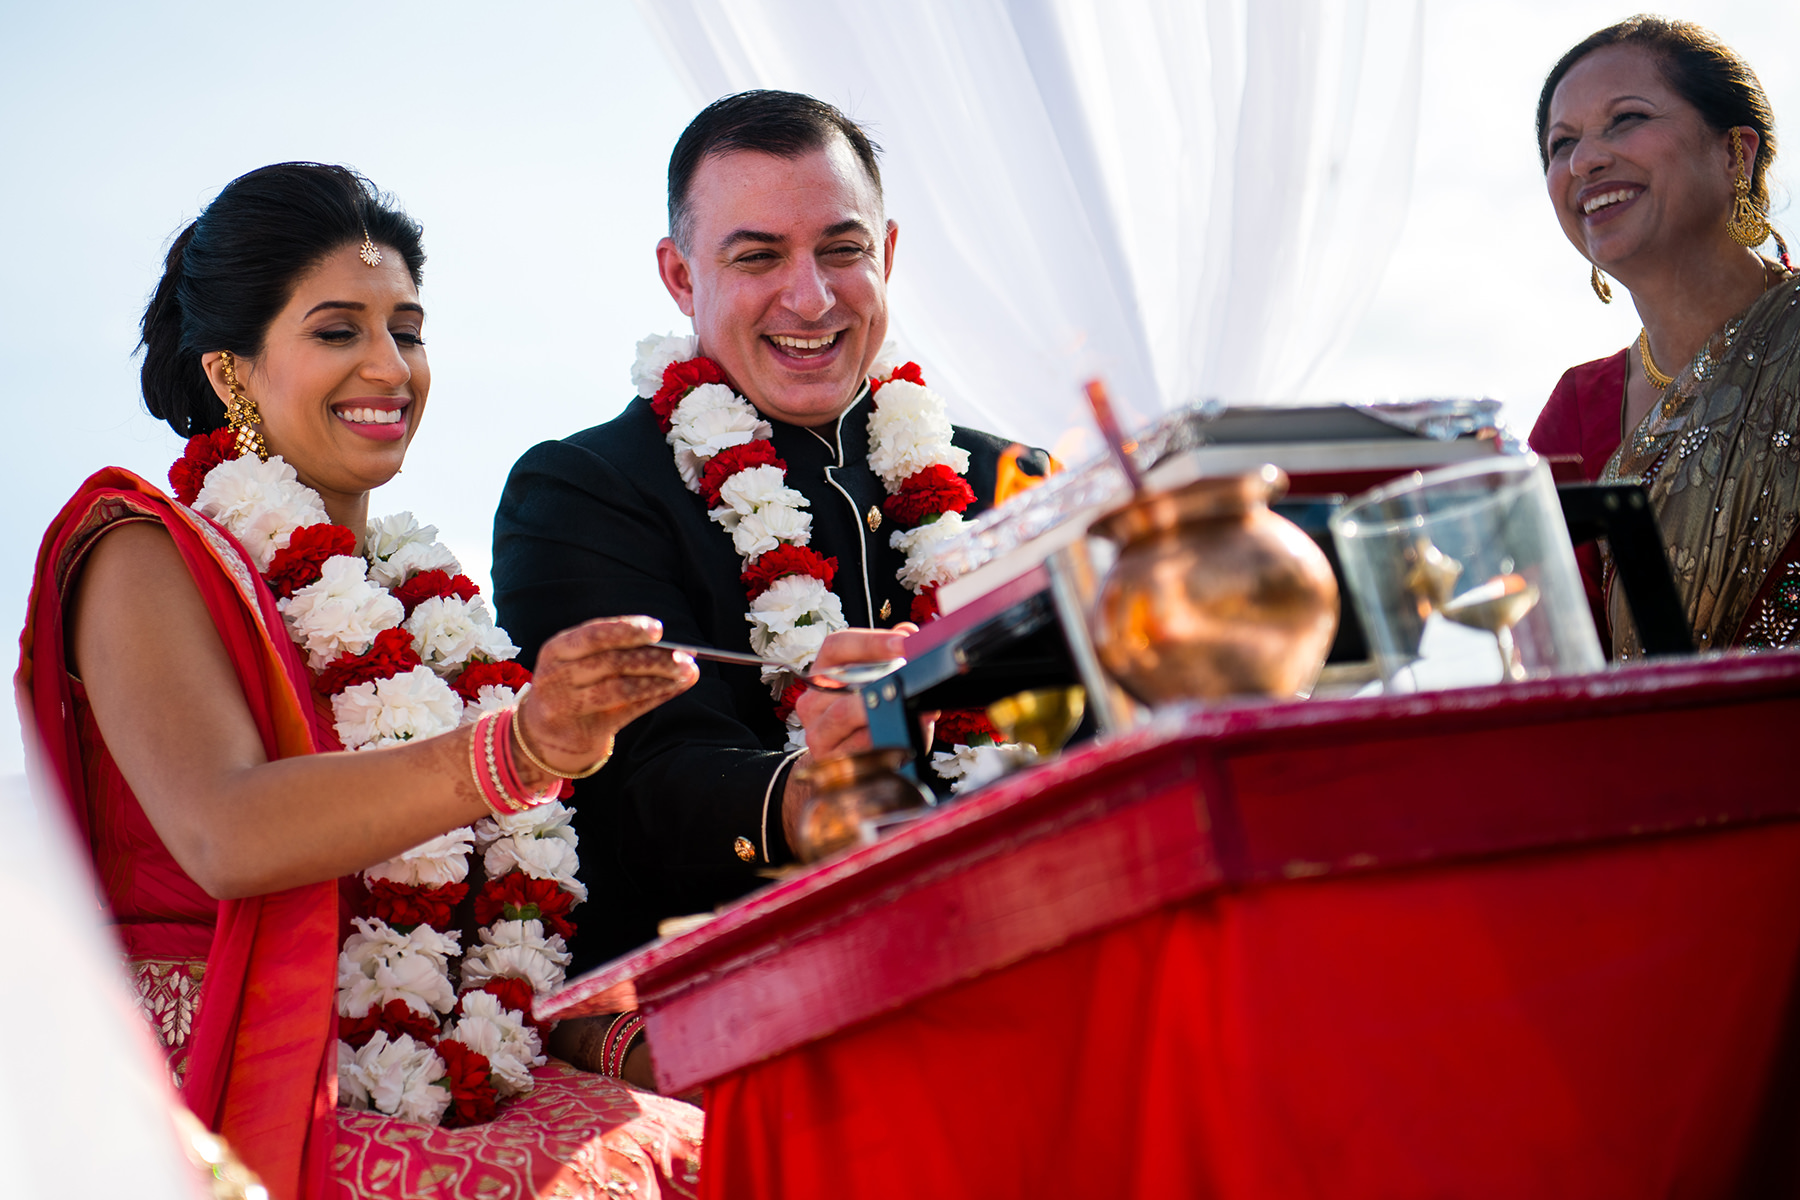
pixel 1657 141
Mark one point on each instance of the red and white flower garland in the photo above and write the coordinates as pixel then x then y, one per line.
pixel 724 453
pixel 401 644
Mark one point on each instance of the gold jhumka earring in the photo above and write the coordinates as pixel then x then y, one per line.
pixel 1602 288
pixel 1747 227
pixel 242 415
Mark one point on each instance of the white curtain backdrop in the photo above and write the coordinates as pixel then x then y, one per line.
pixel 1192 198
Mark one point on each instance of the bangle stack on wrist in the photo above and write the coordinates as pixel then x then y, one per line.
pixel 625 1029
pixel 518 732
pixel 496 775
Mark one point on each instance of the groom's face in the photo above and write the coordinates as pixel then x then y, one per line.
pixel 785 276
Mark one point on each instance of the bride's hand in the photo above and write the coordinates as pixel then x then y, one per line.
pixel 593 680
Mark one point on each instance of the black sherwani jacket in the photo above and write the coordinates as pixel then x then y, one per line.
pixel 600 524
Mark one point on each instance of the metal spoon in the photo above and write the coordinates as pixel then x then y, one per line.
pixel 828 679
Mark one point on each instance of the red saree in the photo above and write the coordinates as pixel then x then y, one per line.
pixel 262 1051
pixel 259 1062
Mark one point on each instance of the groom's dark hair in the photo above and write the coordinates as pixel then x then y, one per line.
pixel 785 124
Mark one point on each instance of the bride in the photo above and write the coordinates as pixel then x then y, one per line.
pixel 319 795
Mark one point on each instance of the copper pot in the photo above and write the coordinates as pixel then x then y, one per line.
pixel 1214 595
pixel 848 790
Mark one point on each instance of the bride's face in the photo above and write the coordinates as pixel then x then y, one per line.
pixel 341 379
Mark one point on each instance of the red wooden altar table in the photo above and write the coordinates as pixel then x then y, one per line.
pixel 1536 940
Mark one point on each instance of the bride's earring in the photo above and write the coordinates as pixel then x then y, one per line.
pixel 1747 227
pixel 1602 288
pixel 241 415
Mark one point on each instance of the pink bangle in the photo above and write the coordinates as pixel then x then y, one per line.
pixel 625 1029
pixel 496 774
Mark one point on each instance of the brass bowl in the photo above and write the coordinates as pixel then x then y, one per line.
pixel 1213 594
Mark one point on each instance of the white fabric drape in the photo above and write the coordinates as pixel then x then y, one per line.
pixel 1193 198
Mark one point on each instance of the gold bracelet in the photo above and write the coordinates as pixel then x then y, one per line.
pixel 518 728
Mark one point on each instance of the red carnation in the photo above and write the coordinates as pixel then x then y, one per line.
pixel 391 655
pixel 925 606
pixel 393 1018
pixel 302 561
pixel 731 460
pixel 965 727
pixel 204 452
pixel 516 896
pixel 760 575
pixel 413 904
pixel 430 585
pixel 907 371
pixel 478 675
pixel 936 489
pixel 679 379
pixel 516 994
pixel 790 696
pixel 469 1076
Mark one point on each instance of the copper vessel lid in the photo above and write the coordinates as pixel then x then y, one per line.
pixel 1203 499
pixel 830 774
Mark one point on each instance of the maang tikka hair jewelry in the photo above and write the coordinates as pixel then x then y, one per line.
pixel 241 415
pixel 1747 227
pixel 369 252
pixel 1602 288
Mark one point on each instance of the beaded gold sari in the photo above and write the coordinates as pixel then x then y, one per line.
pixel 1720 457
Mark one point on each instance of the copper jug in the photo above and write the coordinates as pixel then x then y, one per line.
pixel 848 790
pixel 1213 595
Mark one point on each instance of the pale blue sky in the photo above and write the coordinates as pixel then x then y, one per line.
pixel 531 142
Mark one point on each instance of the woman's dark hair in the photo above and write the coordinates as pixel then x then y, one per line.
pixel 1706 73
pixel 233 269
pixel 785 124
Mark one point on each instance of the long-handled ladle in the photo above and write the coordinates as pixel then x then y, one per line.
pixel 827 679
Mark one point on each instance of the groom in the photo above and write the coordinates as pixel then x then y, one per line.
pixel 779 250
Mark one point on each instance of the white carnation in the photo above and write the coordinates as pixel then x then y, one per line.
pixel 886 360
pixel 386 535
pixel 339 614
pixel 412 558
pixel 400 1078
pixel 491 698
pixel 512 1047
pixel 353 1091
pixel 449 631
pixel 654 354
pixel 549 858
pixel 751 489
pixel 442 860
pixel 260 503
pixel 767 528
pixel 790 620
pixel 709 420
pixel 402 708
pixel 379 963
pixel 909 431
pixel 973 766
pixel 517 950
pixel 921 545
pixel 552 819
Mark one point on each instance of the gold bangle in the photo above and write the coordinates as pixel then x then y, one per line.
pixel 518 729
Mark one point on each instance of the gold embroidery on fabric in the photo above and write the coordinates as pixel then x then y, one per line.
pixel 168 994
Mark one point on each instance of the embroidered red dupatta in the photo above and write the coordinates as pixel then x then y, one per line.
pixel 262 1052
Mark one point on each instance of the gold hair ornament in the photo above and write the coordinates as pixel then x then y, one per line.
pixel 241 414
pixel 1747 227
pixel 369 252
pixel 1602 288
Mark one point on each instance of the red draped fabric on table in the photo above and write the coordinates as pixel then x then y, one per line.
pixel 262 1054
pixel 1596 1023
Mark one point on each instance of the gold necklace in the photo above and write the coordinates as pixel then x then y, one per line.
pixel 1657 379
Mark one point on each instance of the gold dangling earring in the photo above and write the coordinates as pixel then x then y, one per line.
pixel 1747 226
pixel 241 415
pixel 1602 288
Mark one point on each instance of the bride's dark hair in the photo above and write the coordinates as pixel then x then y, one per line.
pixel 232 269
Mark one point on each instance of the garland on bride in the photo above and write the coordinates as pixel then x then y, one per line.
pixel 400 643
pixel 725 455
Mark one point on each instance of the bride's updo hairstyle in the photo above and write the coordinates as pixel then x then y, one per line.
pixel 233 269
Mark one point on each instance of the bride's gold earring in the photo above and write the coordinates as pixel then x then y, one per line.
pixel 1747 227
pixel 241 415
pixel 1602 288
